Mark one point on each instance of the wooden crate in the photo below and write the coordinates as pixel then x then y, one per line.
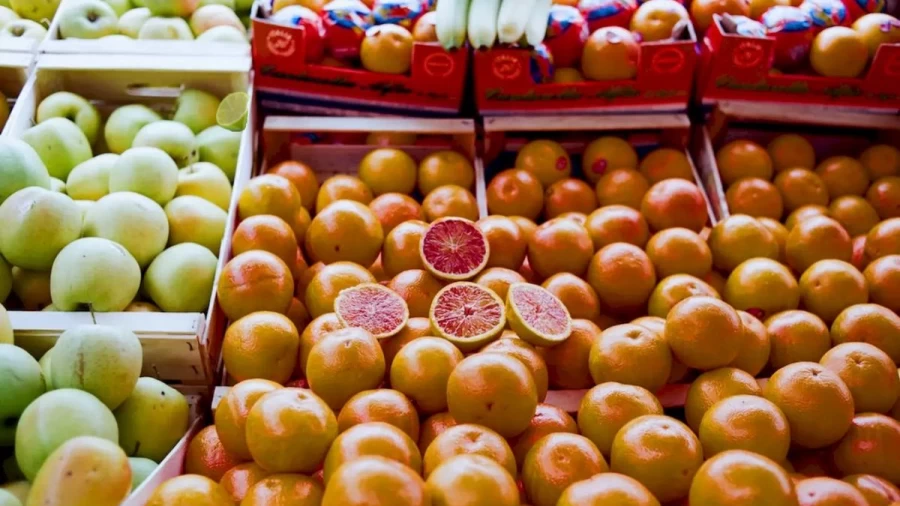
pixel 14 71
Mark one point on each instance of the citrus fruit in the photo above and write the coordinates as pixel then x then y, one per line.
pixel 375 480
pixel 880 160
pixel 622 275
pixel 284 489
pixel 839 51
pixel 743 158
pixel 796 336
pixel 779 231
pixel 738 238
pixel 261 345
pixel 803 214
pixel 468 315
pixel 468 439
pixel 823 491
pixel 498 280
pixel 666 163
pixel 306 278
pixel 870 446
pixel 494 390
pixel 231 414
pixel 238 480
pixel 567 74
pixel 854 213
pixel 254 281
pixel 559 245
pixel 801 187
pixel 745 422
pixel 713 386
pixel 443 168
pixel 372 439
pixel 567 362
pixel 536 315
pixel 884 239
pixel 345 231
pixel 269 194
pixel 575 293
pixel 417 288
pixel 704 333
pixel 557 461
pixel 303 177
pixel 673 289
pixel 830 286
pixel 741 477
pixel 387 49
pixel 390 138
pixel 372 307
pixel 755 197
pixel 660 452
pixel 859 260
pixel 342 187
pixel 607 488
pixel 789 151
pixel 547 420
pixel 809 463
pixel 415 328
pixel 612 224
pixel 755 346
pixel 454 249
pixel 546 159
pixel 869 323
pixel 344 363
pixel 483 480
pixel 190 489
pixel 507 242
pixel 625 187
pixel 569 195
pixel 400 251
pixel 876 490
pixel 657 21
pixel 525 353
pixel 325 286
pixel 515 192
pixel 300 225
pixel 381 405
pixel 607 153
pixel 762 287
pixel 884 197
pixel 450 201
pixel 432 427
pixel 392 209
pixel 207 457
pixel 289 430
pixel 420 371
pixel 679 251
pixel 817 238
pixel 843 176
pixel 526 225
pixel 675 203
pixel 313 333
pixel 388 170
pixel 614 356
pixel 233 111
pixel 817 403
pixel 268 233
pixel 868 372
pixel 607 407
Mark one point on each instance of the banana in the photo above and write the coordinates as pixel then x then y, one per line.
pixel 483 22
pixel 536 28
pixel 450 24
pixel 513 18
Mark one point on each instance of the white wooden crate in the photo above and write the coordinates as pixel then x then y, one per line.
pixel 14 71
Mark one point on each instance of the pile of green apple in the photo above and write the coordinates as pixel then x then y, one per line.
pixel 202 20
pixel 146 214
pixel 26 19
pixel 88 384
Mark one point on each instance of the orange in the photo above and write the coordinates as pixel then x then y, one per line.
pixel 625 187
pixel 702 11
pixel 567 362
pixel 306 278
pixel 190 489
pixel 328 283
pixel 372 439
pixel 450 200
pixel 657 21
pixel 880 160
pixel 675 288
pixel 791 151
pixel 525 353
pixel 576 294
pixel 755 347
pixel 299 267
pixel 388 170
pixel 803 214
pixel 468 439
pixel 876 490
pixel 716 281
pixel 869 323
pixel 269 194
pixel 745 422
pixel 608 153
pixel 839 51
pixel 608 407
pixel 254 281
pixel 817 238
pixel 660 452
pixel 303 177
pixel 742 158
pixel 612 224
pixel 515 192
pixel 207 457
pixel 392 209
pixel 622 275
pixel 546 159
pixel 801 187
pixel 391 138
pixel 494 390
pixel 859 260
pixel 557 461
pixel 817 403
pixel 415 328
pixel 387 49
pixel 425 29
pixel 284 489
pixel 870 447
pixel 615 355
pixel 261 345
pixel 884 239
pixel 421 369
pixel 483 480
pixel 796 336
pixel 704 333
pixel 559 245
pixel 339 353
pixel 300 225
pixel 675 203
pixel 755 197
pixel 868 372
pixel 884 197
pixel 507 242
pixel 742 477
pixel 238 480
pixel 843 176
pixel 342 187
pixel 666 163
pixel 526 225
pixel 268 233
pixel 569 195
pixel 400 251
pixel 382 405
pixel 499 280
pixel 607 488
pixel 432 427
pixel 299 316
pixel 739 238
pixel 657 324
pixel 822 491
pixel 313 333
pixel 809 463
pixel 830 286
pixel 375 480
pixel 714 386
pixel 345 231
pixel 567 75
pixel 854 213
pixel 547 420
pixel 762 287
pixel 231 414
pixel 611 53
pixel 418 288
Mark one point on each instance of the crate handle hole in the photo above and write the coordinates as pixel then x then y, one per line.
pixel 148 91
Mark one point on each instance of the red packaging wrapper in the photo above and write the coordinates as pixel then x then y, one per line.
pixel 748 27
pixel 296 15
pixel 346 22
pixel 859 8
pixel 793 32
pixel 825 13
pixel 567 30
pixel 600 13
pixel 398 12
pixel 541 64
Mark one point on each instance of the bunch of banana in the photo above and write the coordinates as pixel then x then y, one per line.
pixel 486 21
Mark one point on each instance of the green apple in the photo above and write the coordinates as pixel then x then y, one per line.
pixel 103 361
pixel 5 283
pixel 6 330
pixel 57 185
pixel 20 167
pixel 119 6
pixel 141 307
pixel 148 171
pixel 165 29
pixel 8 499
pixel 23 29
pixel 141 469
pixel 196 109
pixel 124 123
pixel 220 147
pixel 180 279
pixel 83 471
pixel 132 220
pixel 22 382
pixel 19 489
pixel 170 415
pixel 112 39
pixel 87 19
pixel 56 417
pixel 37 224
pixel 227 34
pixel 196 220
pixel 210 16
pixel 131 22
pixel 226 3
pixel 60 144
pixel 172 8
pixel 84 206
pixel 7 15
pixel 35 10
pixel 32 288
pixel 44 362
pixel 243 6
pixel 205 180
pixel 139 3
pixel 90 180
pixel 94 272
pixel 173 137
pixel 63 104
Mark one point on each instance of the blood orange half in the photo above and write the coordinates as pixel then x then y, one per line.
pixel 454 249
pixel 537 315
pixel 468 315
pixel 372 307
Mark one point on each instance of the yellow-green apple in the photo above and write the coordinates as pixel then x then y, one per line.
pixel 132 220
pixel 44 362
pixel 7 15
pixel 103 466
pixel 21 488
pixel 95 273
pixel 141 469
pixel 5 286
pixel 131 22
pixel 173 137
pixel 172 8
pixel 196 109
pixel 148 171
pixel 210 16
pixel 244 6
pixel 85 206
pixel 116 38
pixel 227 34
pixel 141 307
pixel 20 167
pixel 124 123
pixel 205 180
pixel 57 185
pixel 22 382
pixel 196 220
pixel 227 3
pixel 180 279
pixel 165 29
pixel 37 225
pixel 220 147
pixel 23 29
pixel 35 10
pixel 152 400
pixel 32 288
pixel 74 108
pixel 60 144
pixel 119 6
pixel 87 19
pixel 90 180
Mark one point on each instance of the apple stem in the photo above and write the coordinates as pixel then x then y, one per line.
pixel 93 316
